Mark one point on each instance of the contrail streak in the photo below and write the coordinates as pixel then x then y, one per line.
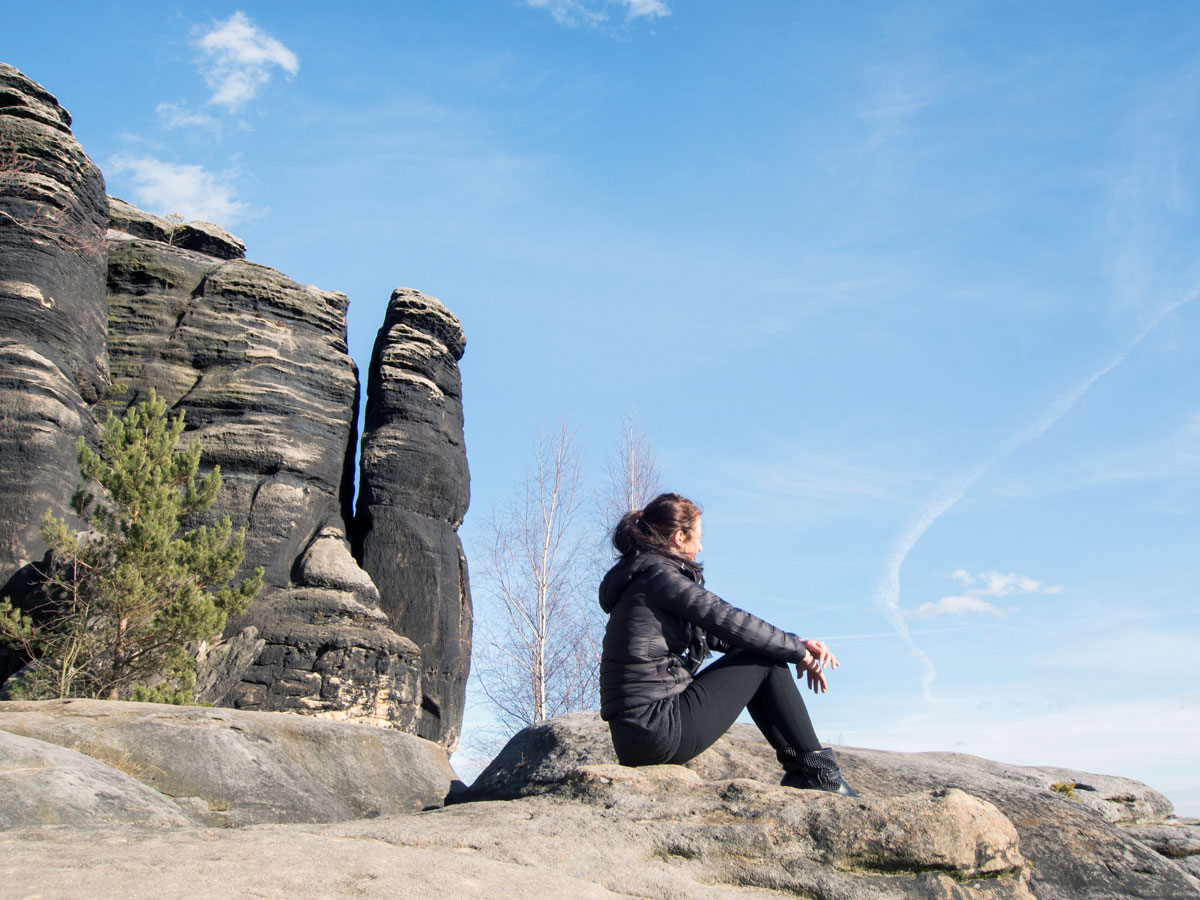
pixel 887 594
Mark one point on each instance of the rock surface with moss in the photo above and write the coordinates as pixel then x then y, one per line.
pixel 217 767
pixel 1086 848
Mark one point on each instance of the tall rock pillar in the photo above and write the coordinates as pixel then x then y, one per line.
pixel 259 364
pixel 53 212
pixel 413 493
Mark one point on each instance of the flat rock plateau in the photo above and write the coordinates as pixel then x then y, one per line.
pixel 104 799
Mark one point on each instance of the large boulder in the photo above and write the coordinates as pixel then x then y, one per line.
pixel 227 767
pixel 413 495
pixel 52 316
pixel 1078 847
pixel 44 784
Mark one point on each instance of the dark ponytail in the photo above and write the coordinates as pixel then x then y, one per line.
pixel 650 530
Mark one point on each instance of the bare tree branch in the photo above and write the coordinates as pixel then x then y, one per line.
pixel 35 204
pixel 632 470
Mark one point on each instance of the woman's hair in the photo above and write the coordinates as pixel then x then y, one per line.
pixel 650 530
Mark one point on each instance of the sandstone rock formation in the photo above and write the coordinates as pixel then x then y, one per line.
pixel 260 368
pixel 413 496
pixel 52 315
pixel 1175 839
pixel 217 767
pixel 259 365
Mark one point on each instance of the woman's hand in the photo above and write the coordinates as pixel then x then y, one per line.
pixel 823 655
pixel 816 678
pixel 813 666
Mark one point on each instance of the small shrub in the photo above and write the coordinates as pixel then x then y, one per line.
pixel 1066 788
pixel 124 597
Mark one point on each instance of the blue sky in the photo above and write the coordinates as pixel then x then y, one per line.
pixel 902 292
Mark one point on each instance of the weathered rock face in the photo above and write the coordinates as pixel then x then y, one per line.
pixel 222 767
pixel 1177 839
pixel 413 494
pixel 52 315
pixel 259 366
pixel 1077 848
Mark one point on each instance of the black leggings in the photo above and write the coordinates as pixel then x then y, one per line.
pixel 744 680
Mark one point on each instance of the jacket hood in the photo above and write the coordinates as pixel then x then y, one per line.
pixel 614 582
pixel 613 585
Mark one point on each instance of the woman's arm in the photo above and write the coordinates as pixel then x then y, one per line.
pixel 669 589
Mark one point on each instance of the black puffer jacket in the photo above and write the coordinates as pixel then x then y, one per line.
pixel 661 625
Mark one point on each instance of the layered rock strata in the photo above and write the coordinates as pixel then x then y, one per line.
pixel 413 494
pixel 259 366
pixel 52 314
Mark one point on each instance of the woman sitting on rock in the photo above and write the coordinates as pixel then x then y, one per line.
pixel 660 705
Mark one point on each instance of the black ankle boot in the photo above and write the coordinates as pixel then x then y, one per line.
pixel 818 771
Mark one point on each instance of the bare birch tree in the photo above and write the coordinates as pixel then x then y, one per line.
pixel 539 653
pixel 633 474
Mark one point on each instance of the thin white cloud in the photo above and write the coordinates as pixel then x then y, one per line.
pixel 958 605
pixel 176 115
pixel 890 112
pixel 829 483
pixel 169 188
pixel 238 59
pixel 595 13
pixel 571 13
pixel 998 584
pixel 645 9
pixel 1174 457
pixel 987 584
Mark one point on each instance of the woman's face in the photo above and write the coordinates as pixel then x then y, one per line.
pixel 687 544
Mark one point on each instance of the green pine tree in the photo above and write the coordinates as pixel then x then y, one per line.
pixel 125 597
